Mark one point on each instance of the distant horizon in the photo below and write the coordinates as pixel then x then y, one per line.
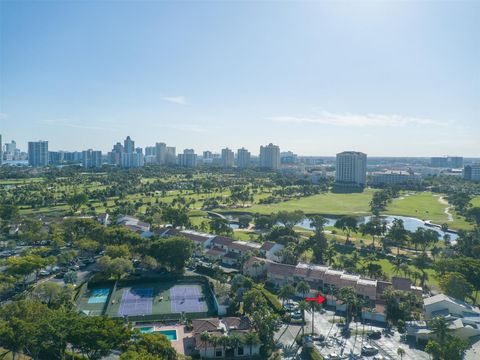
pixel 385 77
pixel 219 150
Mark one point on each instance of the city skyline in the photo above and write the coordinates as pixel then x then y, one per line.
pixel 389 79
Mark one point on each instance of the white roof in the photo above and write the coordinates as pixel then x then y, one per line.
pixel 350 277
pixel 312 267
pixel 442 297
pixel 334 272
pixel 367 282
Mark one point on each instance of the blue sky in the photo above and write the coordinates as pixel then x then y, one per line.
pixel 387 78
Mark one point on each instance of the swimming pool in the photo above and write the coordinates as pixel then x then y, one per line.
pixel 147 330
pixel 170 334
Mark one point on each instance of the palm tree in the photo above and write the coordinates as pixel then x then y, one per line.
pixel 397 234
pixel 251 339
pixel 314 307
pixel 303 288
pixel 235 341
pixel 224 340
pixel 215 341
pixel 303 306
pixel 439 327
pixel 205 338
pixel 330 253
pixel 286 292
pixel 400 352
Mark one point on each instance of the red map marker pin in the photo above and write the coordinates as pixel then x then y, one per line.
pixel 319 299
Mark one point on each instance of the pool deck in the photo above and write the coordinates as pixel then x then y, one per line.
pixel 185 340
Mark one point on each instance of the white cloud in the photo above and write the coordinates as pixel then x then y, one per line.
pixel 180 100
pixel 347 119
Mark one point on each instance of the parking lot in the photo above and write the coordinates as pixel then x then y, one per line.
pixel 347 348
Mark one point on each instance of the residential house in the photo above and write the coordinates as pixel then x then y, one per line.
pixel 223 327
pixel 271 251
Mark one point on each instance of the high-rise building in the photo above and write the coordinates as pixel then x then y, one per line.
pixel 161 149
pixel 38 153
pixel 228 158
pixel 115 156
pixel 171 157
pixel 455 162
pixel 207 155
pixel 188 158
pixel 288 157
pixel 150 151
pixel 270 156
pixel 472 172
pixel 92 159
pixel 447 162
pixel 351 169
pixel 243 158
pixel 128 145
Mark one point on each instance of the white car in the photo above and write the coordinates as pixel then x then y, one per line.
pixel 44 273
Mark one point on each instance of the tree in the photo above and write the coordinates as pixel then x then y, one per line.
pixel 349 297
pixel 251 339
pixel 286 292
pixel 96 336
pixel 176 216
pixel 70 277
pixel 173 252
pixel 303 287
pixel 330 253
pixel 289 218
pixel 224 341
pixel 253 300
pixel 8 212
pixel 53 294
pixel 374 227
pixel 401 353
pixel 347 224
pixel 235 341
pixel 114 267
pixel 220 226
pixel 318 242
pixel 205 339
pixel 76 201
pixel 474 215
pixel 397 234
pixel 456 285
pixel 303 306
pixel 116 251
pixel 152 344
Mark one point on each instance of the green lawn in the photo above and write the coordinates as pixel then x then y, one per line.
pixel 327 203
pixel 425 206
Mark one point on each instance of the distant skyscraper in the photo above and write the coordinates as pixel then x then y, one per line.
pixel 171 158
pixel 207 155
pixel 243 158
pixel 38 153
pixel 161 149
pixel 11 152
pixel 472 172
pixel 91 159
pixel 455 162
pixel 228 158
pixel 288 157
pixel 128 145
pixel 115 156
pixel 188 158
pixel 270 156
pixel 351 169
pixel 150 151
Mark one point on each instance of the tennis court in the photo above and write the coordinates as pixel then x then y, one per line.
pixel 136 301
pixel 187 298
pixel 154 298
pixel 98 296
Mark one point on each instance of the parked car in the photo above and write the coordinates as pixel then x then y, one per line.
pixel 375 335
pixel 333 356
pixel 44 273
pixel 369 350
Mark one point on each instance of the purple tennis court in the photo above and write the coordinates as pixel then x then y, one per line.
pixel 187 299
pixel 136 301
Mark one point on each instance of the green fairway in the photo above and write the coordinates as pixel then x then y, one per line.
pixel 327 203
pixel 426 206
